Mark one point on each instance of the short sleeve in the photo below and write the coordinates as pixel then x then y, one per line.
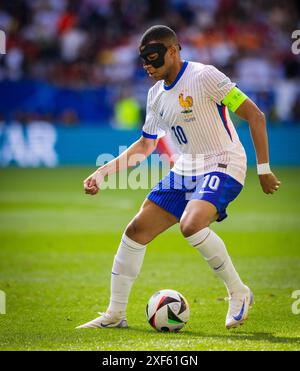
pixel 216 84
pixel 151 127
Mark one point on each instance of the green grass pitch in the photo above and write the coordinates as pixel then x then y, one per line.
pixel 56 251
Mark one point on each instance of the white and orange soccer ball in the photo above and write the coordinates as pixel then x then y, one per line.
pixel 167 310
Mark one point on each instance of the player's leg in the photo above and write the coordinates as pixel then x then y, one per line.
pixel 195 226
pixel 162 209
pixel 150 221
pixel 208 205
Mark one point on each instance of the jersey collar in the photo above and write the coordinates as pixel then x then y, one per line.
pixel 180 73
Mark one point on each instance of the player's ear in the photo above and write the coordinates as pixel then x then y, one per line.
pixel 173 50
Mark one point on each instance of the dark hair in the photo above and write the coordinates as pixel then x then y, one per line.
pixel 159 33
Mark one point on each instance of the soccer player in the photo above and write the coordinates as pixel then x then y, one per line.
pixel 191 100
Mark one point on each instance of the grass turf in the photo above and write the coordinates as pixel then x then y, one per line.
pixel 56 252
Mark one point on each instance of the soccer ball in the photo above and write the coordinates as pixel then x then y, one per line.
pixel 167 310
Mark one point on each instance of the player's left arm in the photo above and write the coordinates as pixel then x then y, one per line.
pixel 247 110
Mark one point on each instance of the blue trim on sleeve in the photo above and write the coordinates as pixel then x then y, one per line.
pixel 180 73
pixel 150 136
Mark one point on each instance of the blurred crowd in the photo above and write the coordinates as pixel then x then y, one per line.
pixel 92 44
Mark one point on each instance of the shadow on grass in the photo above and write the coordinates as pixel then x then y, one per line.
pixel 250 336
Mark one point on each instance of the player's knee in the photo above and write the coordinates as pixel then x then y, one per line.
pixel 190 226
pixel 132 229
pixel 136 231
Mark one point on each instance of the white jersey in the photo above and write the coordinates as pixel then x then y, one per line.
pixel 191 109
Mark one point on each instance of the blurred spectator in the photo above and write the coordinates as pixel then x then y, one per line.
pixel 69 117
pixel 296 110
pixel 127 111
pixel 255 72
pixel 13 62
pixel 71 43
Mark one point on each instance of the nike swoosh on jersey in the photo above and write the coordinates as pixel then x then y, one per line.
pixel 206 192
pixel 240 315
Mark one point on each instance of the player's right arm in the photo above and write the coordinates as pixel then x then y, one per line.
pixel 134 155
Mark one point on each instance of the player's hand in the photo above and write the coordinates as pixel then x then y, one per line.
pixel 269 183
pixel 92 183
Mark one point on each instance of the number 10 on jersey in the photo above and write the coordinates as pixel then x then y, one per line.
pixel 179 134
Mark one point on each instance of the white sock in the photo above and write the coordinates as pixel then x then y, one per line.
pixel 213 249
pixel 126 267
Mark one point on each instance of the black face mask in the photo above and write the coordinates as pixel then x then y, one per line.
pixel 155 48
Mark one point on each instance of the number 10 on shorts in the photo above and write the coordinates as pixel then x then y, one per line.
pixel 210 181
